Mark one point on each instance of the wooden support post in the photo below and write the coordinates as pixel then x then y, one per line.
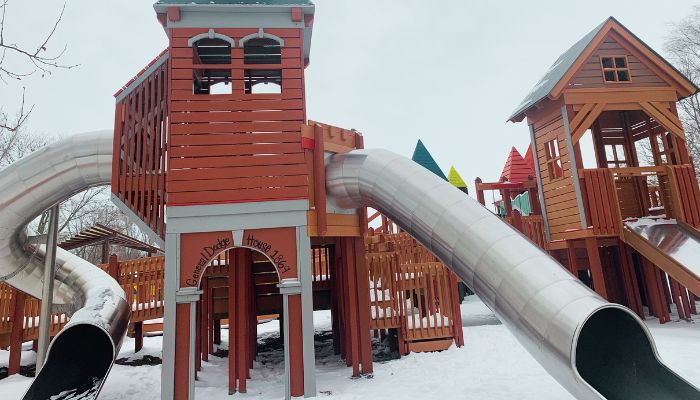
pixel 335 318
pixel 198 338
pixel 296 344
pixel 571 255
pixel 596 267
pixel 677 300
pixel 210 320
pixel 456 311
pixel 217 332
pixel 629 279
pixel 241 319
pixel 348 253
pixel 16 333
pixel 479 193
pixel 319 167
pixel 113 267
pixel 105 251
pixel 232 325
pixel 204 320
pixel 507 202
pixel 138 336
pixel 362 280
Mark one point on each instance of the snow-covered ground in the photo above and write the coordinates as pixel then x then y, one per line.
pixel 491 365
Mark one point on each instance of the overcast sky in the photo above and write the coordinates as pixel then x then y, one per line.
pixel 447 72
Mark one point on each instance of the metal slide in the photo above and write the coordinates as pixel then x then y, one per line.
pixel 673 246
pixel 82 354
pixel 595 349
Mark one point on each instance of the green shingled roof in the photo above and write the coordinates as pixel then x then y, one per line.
pixel 241 2
pixel 423 157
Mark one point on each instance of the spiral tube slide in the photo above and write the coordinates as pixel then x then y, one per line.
pixel 593 348
pixel 82 354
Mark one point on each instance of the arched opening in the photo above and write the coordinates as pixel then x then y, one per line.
pixel 616 357
pixel 268 81
pixel 239 321
pixel 262 51
pixel 211 51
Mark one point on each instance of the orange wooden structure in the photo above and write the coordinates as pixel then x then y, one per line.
pixel 613 90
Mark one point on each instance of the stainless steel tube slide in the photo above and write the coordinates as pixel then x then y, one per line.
pixel 594 349
pixel 82 354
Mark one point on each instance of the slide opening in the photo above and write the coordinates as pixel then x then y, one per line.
pixel 615 356
pixel 78 362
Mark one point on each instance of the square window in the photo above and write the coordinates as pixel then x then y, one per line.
pixel 623 76
pixel 615 69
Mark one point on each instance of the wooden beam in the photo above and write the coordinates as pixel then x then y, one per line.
pixel 577 133
pixel 596 267
pixel 663 120
pixel 320 181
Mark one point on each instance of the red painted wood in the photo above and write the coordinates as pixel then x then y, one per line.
pixel 362 282
pixel 241 271
pixel 296 352
pixel 354 356
pixel 182 352
pixel 232 325
pixel 16 333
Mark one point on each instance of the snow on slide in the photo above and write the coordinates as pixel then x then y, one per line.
pixel 82 354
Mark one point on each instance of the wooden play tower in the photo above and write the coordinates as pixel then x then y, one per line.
pixel 615 92
pixel 216 160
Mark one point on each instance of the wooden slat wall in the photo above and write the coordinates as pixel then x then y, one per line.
pixel 559 194
pixel 591 74
pixel 236 147
pixel 30 322
pixel 140 148
pixel 602 201
pixel 689 194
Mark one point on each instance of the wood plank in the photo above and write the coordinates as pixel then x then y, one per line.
pixel 235 127
pixel 254 182
pixel 238 196
pixel 240 161
pixel 238 172
pixel 236 150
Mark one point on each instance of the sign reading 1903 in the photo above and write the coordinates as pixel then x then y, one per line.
pixel 278 259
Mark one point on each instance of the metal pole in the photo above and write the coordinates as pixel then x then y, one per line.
pixel 47 292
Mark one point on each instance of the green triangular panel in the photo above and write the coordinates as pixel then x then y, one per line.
pixel 423 157
pixel 455 179
pixel 520 203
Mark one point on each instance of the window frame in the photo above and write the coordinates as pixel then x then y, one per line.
pixel 614 69
pixel 554 160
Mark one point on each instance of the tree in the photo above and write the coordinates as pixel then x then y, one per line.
pixel 35 59
pixel 683 50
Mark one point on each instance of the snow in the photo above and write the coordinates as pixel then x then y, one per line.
pixel 491 365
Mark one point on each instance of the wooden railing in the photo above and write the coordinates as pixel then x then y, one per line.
pixel 531 226
pixel 30 320
pixel 615 194
pixel 142 281
pixel 411 290
pixel 140 144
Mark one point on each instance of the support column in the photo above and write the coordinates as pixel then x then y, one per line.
pixel 306 304
pixel 171 284
pixel 16 334
pixel 232 314
pixel 185 344
pixel 596 267
pixel 47 292
pixel 290 289
pixel 138 336
pixel 204 321
pixel 362 283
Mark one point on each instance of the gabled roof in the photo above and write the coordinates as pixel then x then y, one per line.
pixel 530 158
pixel 422 156
pixel 455 179
pixel 241 2
pixel 554 75
pixel 516 169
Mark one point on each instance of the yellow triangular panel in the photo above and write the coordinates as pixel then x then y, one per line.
pixel 455 179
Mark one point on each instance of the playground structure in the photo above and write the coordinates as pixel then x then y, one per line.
pixel 266 214
pixel 627 228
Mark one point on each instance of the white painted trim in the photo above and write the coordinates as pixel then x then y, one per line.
pixel 304 266
pixel 260 35
pixel 172 261
pixel 211 35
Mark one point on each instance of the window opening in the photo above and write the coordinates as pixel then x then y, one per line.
pixel 615 69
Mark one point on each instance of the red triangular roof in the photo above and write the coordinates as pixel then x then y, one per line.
pixel 516 170
pixel 530 158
